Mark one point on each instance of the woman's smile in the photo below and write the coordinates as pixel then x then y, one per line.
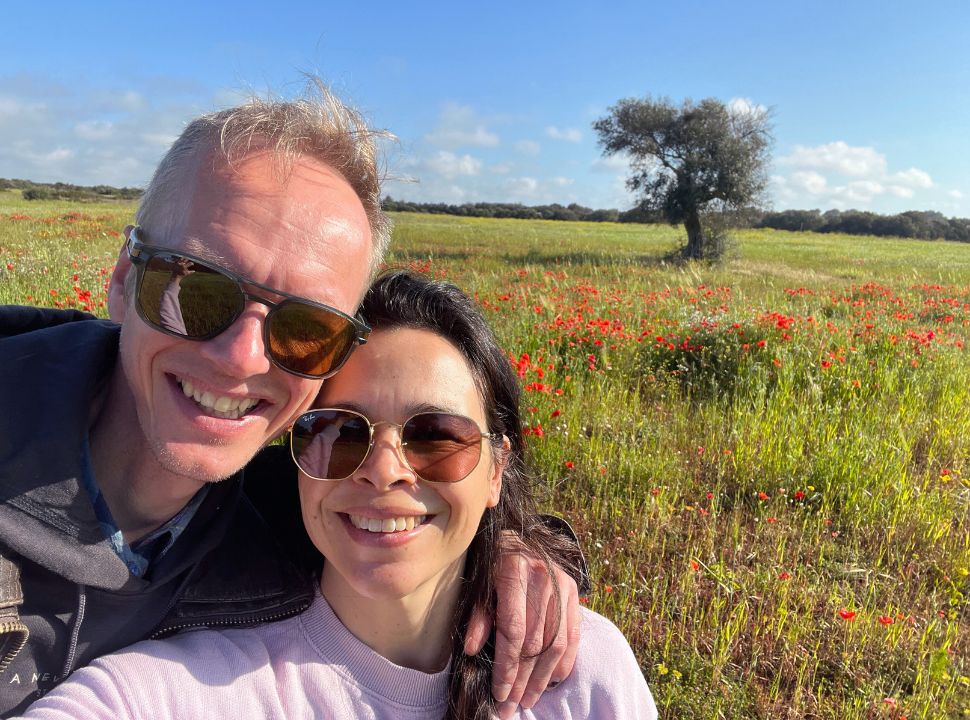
pixel 384 530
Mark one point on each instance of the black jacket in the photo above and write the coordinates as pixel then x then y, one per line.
pixel 79 600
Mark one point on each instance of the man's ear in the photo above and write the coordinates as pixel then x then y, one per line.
pixel 117 297
pixel 501 459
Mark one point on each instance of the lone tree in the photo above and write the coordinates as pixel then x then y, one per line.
pixel 690 160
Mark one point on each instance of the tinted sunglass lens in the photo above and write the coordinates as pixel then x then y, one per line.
pixel 329 444
pixel 441 447
pixel 188 298
pixel 309 340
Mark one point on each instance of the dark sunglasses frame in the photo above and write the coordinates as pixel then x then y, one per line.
pixel 140 253
pixel 370 445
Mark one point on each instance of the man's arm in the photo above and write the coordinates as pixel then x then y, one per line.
pixel 18 319
pixel 536 630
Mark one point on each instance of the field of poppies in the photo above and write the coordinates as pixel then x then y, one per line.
pixel 767 461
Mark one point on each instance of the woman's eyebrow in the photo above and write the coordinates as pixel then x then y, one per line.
pixel 347 405
pixel 409 410
pixel 429 407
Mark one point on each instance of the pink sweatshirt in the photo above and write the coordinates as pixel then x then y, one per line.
pixel 311 666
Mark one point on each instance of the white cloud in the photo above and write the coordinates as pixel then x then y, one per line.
pixel 861 190
pixel 899 191
pixel 745 106
pixel 838 157
pixel 9 107
pixel 447 165
pixel 528 147
pixel 459 126
pixel 163 140
pixel 132 101
pixel 618 164
pixel 955 194
pixel 521 187
pixel 94 130
pixel 809 181
pixel 90 134
pixel 566 134
pixel 50 160
pixel 502 168
pixel 562 181
pixel 913 178
pixel 840 175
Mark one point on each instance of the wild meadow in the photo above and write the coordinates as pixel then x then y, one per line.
pixel 767 460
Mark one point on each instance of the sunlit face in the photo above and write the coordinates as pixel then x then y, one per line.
pixel 397 373
pixel 309 237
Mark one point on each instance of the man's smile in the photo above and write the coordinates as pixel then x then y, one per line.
pixel 220 406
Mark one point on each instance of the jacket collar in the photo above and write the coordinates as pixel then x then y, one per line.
pixel 52 375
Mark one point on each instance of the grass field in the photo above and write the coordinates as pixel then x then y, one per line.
pixel 768 461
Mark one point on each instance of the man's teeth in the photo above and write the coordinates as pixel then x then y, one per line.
pixel 218 405
pixel 387 525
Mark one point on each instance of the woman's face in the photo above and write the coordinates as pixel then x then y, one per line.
pixel 398 373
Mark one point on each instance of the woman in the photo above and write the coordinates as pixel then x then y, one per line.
pixel 409 474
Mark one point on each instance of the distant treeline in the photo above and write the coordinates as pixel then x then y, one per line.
pixel 65 191
pixel 919 224
pixel 555 211
pixel 923 225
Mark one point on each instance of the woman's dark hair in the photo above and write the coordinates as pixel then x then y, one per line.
pixel 405 299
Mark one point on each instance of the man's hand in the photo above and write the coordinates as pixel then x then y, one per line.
pixel 527 620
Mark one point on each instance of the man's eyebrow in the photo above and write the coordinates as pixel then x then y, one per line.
pixel 196 247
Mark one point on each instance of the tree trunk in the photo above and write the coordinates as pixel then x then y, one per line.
pixel 695 235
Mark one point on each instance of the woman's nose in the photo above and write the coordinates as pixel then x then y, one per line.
pixel 385 465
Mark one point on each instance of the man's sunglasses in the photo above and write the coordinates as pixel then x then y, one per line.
pixel 330 444
pixel 188 297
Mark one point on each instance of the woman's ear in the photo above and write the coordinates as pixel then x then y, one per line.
pixel 117 293
pixel 500 460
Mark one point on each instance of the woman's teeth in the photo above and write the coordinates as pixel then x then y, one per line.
pixel 218 405
pixel 386 525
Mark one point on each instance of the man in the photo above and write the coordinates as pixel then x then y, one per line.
pixel 116 435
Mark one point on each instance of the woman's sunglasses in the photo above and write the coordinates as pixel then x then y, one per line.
pixel 182 295
pixel 330 444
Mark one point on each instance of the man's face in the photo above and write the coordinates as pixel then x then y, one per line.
pixel 308 237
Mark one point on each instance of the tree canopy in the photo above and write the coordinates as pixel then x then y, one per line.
pixel 690 159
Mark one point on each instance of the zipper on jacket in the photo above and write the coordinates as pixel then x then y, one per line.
pixel 82 601
pixel 13 637
pixel 13 631
pixel 227 622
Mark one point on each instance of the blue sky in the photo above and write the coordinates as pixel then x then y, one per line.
pixel 494 102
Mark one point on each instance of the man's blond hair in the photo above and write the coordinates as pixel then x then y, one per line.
pixel 317 125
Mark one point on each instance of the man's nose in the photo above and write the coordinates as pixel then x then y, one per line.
pixel 239 350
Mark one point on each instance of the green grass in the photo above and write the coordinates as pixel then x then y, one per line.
pixel 747 450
